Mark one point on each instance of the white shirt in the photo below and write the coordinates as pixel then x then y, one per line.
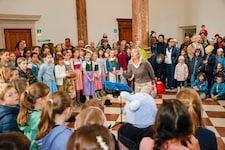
pixel 60 74
pixel 168 57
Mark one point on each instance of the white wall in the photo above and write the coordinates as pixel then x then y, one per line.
pixel 58 18
pixel 165 16
pixel 102 15
pixel 211 13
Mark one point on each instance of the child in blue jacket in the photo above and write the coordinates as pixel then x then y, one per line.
pixel 217 91
pixel 200 85
pixel 9 109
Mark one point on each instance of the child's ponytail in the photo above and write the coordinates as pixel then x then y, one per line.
pixel 47 120
pixel 25 106
pixel 28 100
pixel 57 104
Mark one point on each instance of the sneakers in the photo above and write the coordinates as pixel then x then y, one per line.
pixel 102 93
pixel 78 104
pixel 97 95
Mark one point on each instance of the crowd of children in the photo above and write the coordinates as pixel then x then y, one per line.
pixel 40 85
pixel 42 117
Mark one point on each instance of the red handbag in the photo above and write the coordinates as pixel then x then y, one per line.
pixel 160 87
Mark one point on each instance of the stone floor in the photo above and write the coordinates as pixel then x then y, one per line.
pixel 214 115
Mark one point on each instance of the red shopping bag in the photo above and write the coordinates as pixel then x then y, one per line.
pixel 160 87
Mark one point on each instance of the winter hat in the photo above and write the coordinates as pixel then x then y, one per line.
pixel 140 109
pixel 220 50
pixel 181 57
pixel 209 49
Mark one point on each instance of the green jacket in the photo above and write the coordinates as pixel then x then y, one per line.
pixel 31 130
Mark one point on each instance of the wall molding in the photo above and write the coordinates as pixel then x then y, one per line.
pixel 16 17
pixel 17 21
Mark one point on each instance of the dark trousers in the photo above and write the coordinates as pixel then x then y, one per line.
pixel 170 75
pixel 209 76
pixel 180 83
pixel 222 97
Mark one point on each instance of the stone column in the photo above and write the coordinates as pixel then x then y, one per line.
pixel 140 17
pixel 82 20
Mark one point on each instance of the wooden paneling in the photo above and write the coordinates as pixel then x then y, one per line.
pixel 125 29
pixel 12 36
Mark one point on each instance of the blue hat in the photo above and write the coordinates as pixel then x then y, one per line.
pixel 140 109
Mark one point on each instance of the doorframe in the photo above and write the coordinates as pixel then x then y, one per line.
pixel 12 21
pixel 124 22
pixel 181 31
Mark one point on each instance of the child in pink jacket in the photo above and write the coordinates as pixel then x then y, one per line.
pixel 181 72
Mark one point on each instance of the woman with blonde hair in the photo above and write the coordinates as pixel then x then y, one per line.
pixel 141 70
pixel 191 98
pixel 195 39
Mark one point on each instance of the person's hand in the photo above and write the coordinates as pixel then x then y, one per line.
pixel 205 61
pixel 119 72
pixel 193 143
pixel 113 72
pixel 213 96
pixel 97 77
pixel 196 88
pixel 157 79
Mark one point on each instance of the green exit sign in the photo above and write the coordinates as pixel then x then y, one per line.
pixel 115 30
pixel 39 31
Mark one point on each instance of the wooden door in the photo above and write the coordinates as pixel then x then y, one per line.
pixel 12 36
pixel 125 29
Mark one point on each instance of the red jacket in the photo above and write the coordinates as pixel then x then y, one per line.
pixel 122 59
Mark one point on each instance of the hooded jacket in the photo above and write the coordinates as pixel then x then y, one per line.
pixel 56 139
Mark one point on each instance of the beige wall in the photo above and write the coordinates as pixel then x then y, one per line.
pixel 102 15
pixel 58 18
pixel 167 16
